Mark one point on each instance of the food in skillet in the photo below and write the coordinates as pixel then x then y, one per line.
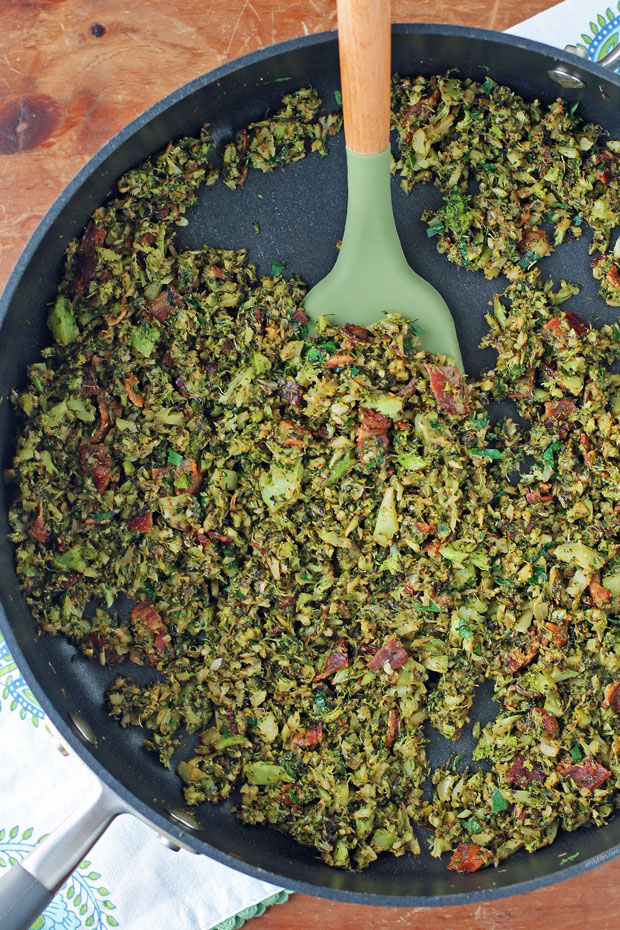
pixel 327 541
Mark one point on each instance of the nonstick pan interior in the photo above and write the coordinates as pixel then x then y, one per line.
pixel 301 216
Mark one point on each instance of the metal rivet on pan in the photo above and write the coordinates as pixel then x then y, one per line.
pixel 185 818
pixel 82 728
pixel 566 78
pixel 168 843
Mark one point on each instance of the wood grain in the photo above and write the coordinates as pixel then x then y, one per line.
pixel 74 72
pixel 364 45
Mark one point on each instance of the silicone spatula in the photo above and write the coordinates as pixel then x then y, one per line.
pixel 371 274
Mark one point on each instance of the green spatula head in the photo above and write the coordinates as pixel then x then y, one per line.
pixel 371 274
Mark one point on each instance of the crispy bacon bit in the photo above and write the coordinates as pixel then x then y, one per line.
pixel 392 728
pixel 104 424
pixel 338 361
pixel 555 410
pixel 357 335
pixel 553 328
pixel 162 641
pixel 449 389
pixel 89 386
pixel 549 722
pixel 293 434
pixel 588 774
pixel 164 303
pixel 391 652
pixel 291 392
pixel 524 773
pixel 129 385
pixel 221 537
pixel 519 658
pixel 372 425
pixel 196 477
pixel 142 522
pixel 532 497
pixel 37 528
pixel 422 111
pixel 95 461
pixel 612 696
pixel 532 235
pixel 613 276
pixel 216 272
pixel 310 737
pixel 604 175
pixel 598 593
pixel 469 857
pixel 586 449
pixel 337 659
pixel 145 616
pixel 300 317
pixel 287 800
pixel 524 387
pixel 86 255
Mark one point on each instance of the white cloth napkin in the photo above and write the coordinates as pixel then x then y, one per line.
pixel 130 880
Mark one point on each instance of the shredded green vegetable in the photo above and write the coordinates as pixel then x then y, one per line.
pixel 327 541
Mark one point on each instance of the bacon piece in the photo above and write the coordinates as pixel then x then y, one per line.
pixel 519 658
pixel 586 449
pixel 532 235
pixel 216 272
pixel 291 392
pixel 549 722
pixel 129 385
pixel 357 335
pixel 37 527
pixel 372 425
pixel 588 774
pixel 392 652
pixel 164 303
pixel 300 317
pixel 337 659
pixel 612 696
pixel 613 276
pixel 162 641
pixel 422 111
pixel 86 255
pixel 196 477
pixel 94 459
pixel 554 410
pixel 104 424
pixel 469 857
pixel 605 176
pixel 599 594
pixel 142 522
pixel 293 434
pixel 145 616
pixel 532 497
pixel 553 328
pixel 310 737
pixel 221 537
pixel 448 388
pixel 523 774
pixel 338 361
pixel 392 728
pixel 89 386
pixel 524 387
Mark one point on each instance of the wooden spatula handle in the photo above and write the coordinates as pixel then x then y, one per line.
pixel 364 39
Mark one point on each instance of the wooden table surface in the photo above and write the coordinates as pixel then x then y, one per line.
pixel 73 72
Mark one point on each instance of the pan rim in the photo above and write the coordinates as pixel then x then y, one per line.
pixel 143 810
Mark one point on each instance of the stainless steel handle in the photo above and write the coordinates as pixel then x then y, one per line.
pixel 29 886
pixel 610 60
pixel 566 77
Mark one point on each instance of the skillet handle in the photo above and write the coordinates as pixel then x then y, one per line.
pixel 29 886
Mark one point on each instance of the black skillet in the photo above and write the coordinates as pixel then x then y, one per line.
pixel 301 216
